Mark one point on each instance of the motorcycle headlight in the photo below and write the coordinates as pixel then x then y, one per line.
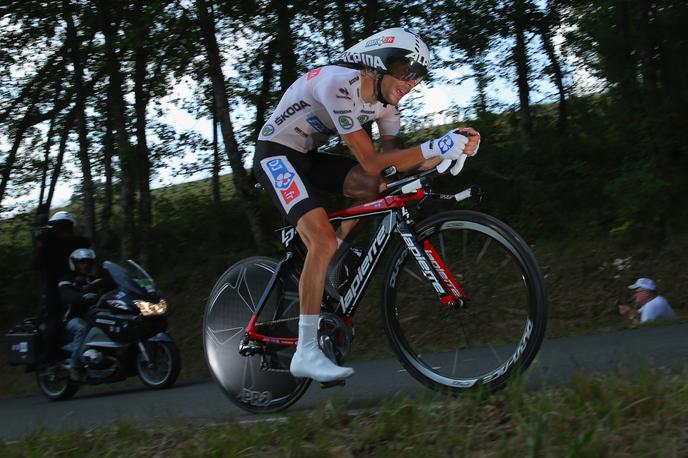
pixel 150 308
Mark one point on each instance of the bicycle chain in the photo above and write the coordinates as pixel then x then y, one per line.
pixel 269 369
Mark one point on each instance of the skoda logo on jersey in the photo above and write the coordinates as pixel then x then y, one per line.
pixel 362 119
pixel 445 143
pixel 295 108
pixel 367 59
pixel 268 130
pixel 346 122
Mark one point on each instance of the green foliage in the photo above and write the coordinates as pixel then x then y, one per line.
pixel 617 415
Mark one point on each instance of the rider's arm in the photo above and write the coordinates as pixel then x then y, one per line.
pixel 393 143
pixel 373 163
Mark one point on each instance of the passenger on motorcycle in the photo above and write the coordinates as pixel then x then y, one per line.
pixel 78 291
pixel 53 243
pixel 365 84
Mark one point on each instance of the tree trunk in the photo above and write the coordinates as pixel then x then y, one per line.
pixel 57 168
pixel 216 162
pixel 42 212
pixel 481 100
pixel 285 45
pixel 520 55
pixel 345 21
pixel 46 161
pixel 268 61
pixel 207 25
pixel 89 215
pixel 545 28
pixel 11 158
pixel 123 146
pixel 108 154
pixel 371 18
pixel 143 162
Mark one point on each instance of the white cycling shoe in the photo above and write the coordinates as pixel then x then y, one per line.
pixel 310 362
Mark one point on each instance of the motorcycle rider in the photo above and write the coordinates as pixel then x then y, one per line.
pixel 53 245
pixel 366 84
pixel 78 291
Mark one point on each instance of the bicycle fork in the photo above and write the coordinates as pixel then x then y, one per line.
pixel 450 293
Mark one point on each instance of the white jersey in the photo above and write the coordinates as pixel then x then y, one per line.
pixel 322 103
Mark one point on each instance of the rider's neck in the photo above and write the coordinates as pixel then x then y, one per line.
pixel 368 88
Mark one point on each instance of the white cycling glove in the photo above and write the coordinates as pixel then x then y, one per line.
pixel 455 165
pixel 449 146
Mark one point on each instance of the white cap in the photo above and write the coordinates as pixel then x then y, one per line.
pixel 644 283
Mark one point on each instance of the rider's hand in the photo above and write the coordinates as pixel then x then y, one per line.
pixel 450 146
pixel 470 149
pixel 455 165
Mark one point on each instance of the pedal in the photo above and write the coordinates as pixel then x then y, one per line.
pixel 325 385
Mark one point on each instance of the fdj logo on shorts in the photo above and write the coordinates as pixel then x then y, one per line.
pixel 445 143
pixel 288 186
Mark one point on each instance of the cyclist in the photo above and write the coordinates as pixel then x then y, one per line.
pixel 365 84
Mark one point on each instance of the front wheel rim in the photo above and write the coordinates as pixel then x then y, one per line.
pixel 510 265
pixel 160 368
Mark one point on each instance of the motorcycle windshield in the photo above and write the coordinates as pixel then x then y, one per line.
pixel 131 277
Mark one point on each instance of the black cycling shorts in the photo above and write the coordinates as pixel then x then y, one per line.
pixel 293 178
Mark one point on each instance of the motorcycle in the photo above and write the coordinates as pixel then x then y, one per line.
pixel 127 336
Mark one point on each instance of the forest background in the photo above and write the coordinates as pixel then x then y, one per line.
pixel 593 179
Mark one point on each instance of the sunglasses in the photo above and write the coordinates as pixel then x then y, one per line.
pixel 406 69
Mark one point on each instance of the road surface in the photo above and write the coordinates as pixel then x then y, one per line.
pixel 202 401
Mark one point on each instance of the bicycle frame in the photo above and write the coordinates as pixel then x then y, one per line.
pixel 396 219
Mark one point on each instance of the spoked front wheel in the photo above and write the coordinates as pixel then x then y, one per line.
pixel 484 342
pixel 163 368
pixel 261 382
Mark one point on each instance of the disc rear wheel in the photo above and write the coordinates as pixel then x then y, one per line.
pixel 261 382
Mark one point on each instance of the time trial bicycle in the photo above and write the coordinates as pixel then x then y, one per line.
pixel 464 304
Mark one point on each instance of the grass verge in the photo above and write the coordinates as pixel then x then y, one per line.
pixel 644 415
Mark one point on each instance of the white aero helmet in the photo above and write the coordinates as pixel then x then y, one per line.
pixel 62 216
pixel 396 51
pixel 81 254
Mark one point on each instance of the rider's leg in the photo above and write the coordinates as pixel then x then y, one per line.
pixel 362 187
pixel 318 235
pixel 309 361
pixel 78 328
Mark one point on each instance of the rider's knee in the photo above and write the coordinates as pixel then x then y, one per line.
pixel 360 186
pixel 325 244
pixel 317 233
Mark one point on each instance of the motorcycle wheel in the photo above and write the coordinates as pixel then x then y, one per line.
pixel 53 384
pixel 164 368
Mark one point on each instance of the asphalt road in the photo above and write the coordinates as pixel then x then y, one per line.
pixel 202 401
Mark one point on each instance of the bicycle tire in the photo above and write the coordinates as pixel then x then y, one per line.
pixel 420 347
pixel 230 306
